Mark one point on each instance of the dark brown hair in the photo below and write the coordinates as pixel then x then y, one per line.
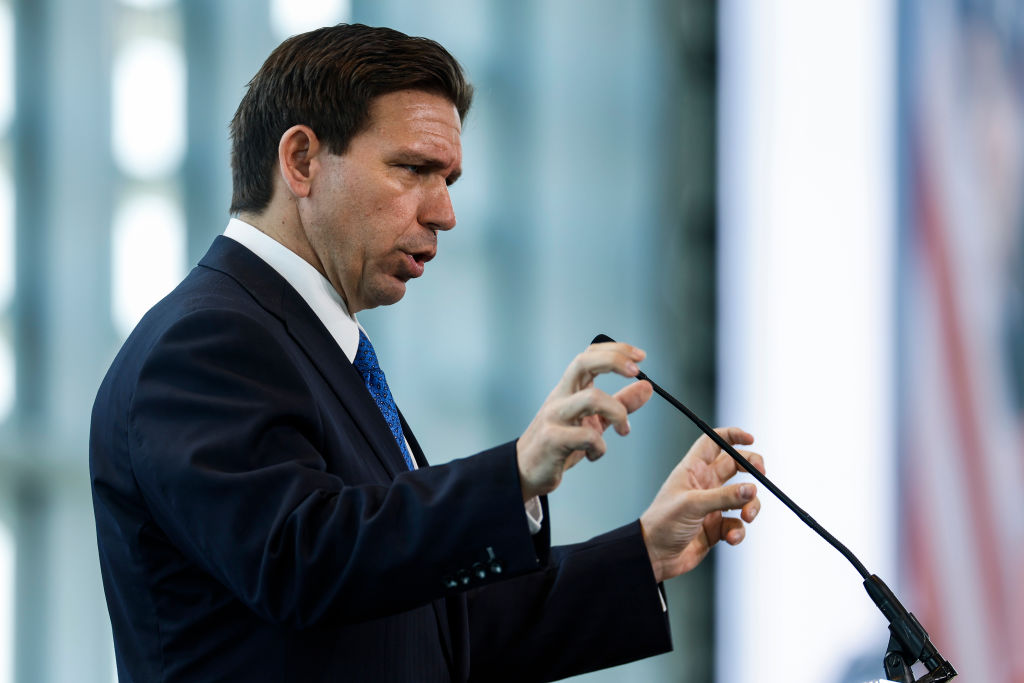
pixel 327 79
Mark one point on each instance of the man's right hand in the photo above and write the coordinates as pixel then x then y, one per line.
pixel 572 421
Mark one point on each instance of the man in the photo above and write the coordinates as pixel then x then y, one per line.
pixel 263 510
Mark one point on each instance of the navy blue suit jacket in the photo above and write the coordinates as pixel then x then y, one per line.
pixel 256 521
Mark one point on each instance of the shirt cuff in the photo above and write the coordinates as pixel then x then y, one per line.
pixel 534 515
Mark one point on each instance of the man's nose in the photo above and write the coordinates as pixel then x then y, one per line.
pixel 437 212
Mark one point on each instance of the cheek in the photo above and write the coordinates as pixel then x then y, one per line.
pixel 389 223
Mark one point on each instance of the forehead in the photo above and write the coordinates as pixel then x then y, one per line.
pixel 415 117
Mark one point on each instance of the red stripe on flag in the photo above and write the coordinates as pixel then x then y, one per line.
pixel 986 546
pixel 921 548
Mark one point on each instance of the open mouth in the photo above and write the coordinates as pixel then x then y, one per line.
pixel 416 262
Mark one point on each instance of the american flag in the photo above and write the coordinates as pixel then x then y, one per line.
pixel 961 392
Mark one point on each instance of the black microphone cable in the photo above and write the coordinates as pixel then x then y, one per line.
pixel 909 641
pixel 745 464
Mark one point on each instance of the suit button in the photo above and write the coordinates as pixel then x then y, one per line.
pixel 449 582
pixel 480 571
pixel 463 577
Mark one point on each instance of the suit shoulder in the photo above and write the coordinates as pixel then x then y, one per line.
pixel 208 308
pixel 205 294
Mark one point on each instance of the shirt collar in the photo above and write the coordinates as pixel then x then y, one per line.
pixel 313 287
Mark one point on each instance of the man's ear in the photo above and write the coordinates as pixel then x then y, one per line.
pixel 296 157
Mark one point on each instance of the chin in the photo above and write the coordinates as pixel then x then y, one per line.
pixel 386 296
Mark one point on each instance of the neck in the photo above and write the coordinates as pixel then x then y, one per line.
pixel 286 228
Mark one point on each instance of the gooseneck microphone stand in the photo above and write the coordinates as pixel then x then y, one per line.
pixel 908 641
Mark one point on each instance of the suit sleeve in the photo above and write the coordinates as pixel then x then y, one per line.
pixel 226 443
pixel 594 605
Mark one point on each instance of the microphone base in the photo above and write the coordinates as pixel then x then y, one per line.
pixel 897 666
pixel 908 641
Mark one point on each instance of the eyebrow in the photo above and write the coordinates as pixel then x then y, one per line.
pixel 428 162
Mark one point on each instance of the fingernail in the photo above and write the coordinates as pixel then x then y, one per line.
pixel 632 368
pixel 746 492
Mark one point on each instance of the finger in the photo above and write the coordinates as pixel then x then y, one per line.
pixel 637 353
pixel 707 450
pixel 749 511
pixel 725 466
pixel 755 459
pixel 705 501
pixel 732 530
pixel 585 439
pixel 634 396
pixel 593 401
pixel 599 359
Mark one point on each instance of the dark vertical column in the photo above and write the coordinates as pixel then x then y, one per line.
pixel 31 216
pixel 688 271
pixel 31 633
pixel 63 334
pixel 64 179
pixel 225 43
pixel 513 332
pixel 75 189
pixel 30 309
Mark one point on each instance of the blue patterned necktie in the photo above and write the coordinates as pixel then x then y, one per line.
pixel 367 365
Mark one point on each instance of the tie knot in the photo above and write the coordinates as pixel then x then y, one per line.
pixel 366 358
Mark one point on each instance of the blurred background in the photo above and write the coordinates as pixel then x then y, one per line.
pixel 810 214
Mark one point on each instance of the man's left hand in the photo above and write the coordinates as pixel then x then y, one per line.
pixel 685 519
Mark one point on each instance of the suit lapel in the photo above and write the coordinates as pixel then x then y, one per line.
pixel 280 299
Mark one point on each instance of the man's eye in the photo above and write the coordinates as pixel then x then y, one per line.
pixel 412 168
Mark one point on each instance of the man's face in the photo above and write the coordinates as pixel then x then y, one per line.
pixel 373 212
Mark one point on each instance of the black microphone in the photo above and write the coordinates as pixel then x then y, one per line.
pixel 908 642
